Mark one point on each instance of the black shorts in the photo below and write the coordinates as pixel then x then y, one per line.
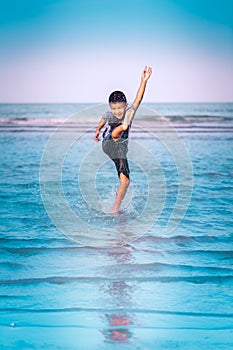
pixel 117 152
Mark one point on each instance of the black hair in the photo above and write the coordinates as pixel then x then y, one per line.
pixel 117 96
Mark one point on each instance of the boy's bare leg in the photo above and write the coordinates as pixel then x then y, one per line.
pixel 118 130
pixel 121 191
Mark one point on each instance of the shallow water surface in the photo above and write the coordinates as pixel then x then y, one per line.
pixel 157 291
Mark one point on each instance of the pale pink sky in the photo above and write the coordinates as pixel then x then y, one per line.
pixel 56 56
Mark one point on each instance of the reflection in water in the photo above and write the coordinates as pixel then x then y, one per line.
pixel 119 331
pixel 120 295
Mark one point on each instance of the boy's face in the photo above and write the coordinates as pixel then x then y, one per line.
pixel 118 109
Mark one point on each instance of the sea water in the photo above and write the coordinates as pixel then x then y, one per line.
pixel 159 289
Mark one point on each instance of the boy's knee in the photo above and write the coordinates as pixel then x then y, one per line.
pixel 125 183
pixel 125 127
pixel 124 180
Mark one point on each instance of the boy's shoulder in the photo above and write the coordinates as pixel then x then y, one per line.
pixel 107 115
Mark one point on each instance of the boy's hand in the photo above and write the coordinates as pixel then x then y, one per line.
pixel 147 71
pixel 96 137
pixel 99 127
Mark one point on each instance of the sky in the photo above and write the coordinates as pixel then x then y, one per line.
pixel 57 51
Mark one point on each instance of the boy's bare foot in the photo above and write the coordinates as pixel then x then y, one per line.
pixel 115 211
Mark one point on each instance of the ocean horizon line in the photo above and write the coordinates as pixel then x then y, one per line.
pixel 101 102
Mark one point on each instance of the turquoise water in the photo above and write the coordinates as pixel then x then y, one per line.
pixel 159 291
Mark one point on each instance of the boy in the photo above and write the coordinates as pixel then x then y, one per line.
pixel 116 132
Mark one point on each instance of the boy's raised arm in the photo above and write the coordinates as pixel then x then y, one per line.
pixel 147 71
